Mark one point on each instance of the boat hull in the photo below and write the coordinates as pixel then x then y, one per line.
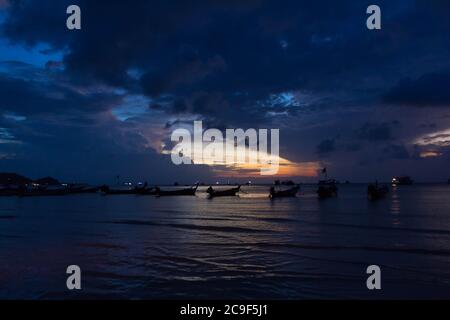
pixel 167 193
pixel 224 193
pixel 285 193
pixel 377 193
pixel 182 192
pixel 107 191
pixel 325 192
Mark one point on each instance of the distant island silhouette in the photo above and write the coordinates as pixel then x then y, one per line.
pixel 17 179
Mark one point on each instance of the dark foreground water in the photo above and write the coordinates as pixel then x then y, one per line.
pixel 248 247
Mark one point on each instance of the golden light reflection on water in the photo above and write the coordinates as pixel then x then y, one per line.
pixel 395 201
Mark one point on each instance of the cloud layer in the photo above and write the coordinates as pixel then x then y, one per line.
pixel 343 96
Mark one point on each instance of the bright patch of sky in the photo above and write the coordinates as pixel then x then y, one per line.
pixel 133 106
pixel 284 99
pixel 5 134
pixel 136 74
pixel 440 138
pixel 37 56
pixel 284 44
pixel 316 39
pixel 11 116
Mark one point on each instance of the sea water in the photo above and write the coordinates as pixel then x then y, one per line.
pixel 238 247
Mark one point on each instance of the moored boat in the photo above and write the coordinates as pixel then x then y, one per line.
pixel 178 192
pixel 292 192
pixel 223 193
pixel 148 191
pixel 376 192
pixel 327 189
pixel 129 190
pixel 82 188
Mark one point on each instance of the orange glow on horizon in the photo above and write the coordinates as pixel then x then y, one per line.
pixel 430 154
pixel 286 169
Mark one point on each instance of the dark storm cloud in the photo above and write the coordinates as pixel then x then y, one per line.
pixel 231 63
pixel 239 51
pixel 189 71
pixel 28 97
pixel 428 125
pixel 375 132
pixel 429 90
pixel 256 44
pixel 326 147
pixel 394 151
pixel 353 147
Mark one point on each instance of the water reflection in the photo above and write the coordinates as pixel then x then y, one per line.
pixel 239 247
pixel 395 201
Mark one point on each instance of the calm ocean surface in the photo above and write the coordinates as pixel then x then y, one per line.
pixel 248 247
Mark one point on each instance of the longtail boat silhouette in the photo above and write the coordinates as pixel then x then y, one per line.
pixel 82 188
pixel 292 192
pixel 327 189
pixel 130 190
pixel 376 192
pixel 148 191
pixel 223 193
pixel 179 192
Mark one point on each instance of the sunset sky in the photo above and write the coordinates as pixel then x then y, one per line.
pixel 92 104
